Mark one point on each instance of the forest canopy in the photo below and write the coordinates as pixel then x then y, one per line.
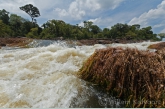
pixel 13 25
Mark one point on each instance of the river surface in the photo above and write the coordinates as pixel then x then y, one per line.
pixel 45 76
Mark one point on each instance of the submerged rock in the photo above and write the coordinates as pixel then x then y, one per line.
pixel 2 44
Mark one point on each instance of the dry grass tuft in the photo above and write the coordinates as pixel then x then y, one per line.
pixel 129 74
pixel 157 46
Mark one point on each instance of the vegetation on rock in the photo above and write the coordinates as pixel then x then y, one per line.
pixel 128 74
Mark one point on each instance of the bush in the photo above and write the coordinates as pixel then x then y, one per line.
pixel 33 33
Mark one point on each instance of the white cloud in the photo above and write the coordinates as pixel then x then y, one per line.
pixel 75 9
pixel 92 5
pixel 101 22
pixel 81 24
pixel 46 8
pixel 67 10
pixel 12 6
pixel 152 14
pixel 112 4
pixel 61 12
pixel 79 8
pixel 158 25
pixel 162 31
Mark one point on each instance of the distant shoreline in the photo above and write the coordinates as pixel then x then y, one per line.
pixel 23 41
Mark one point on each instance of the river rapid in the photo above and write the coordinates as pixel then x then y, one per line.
pixel 45 76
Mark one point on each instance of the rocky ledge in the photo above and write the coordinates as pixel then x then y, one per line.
pixel 14 42
pixel 107 41
pixel 157 46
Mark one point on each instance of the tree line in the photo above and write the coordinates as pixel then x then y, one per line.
pixel 13 25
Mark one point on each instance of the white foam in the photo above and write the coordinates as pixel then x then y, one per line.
pixel 41 77
pixel 140 46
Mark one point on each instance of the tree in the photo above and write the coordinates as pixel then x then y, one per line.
pixel 147 32
pixel 162 35
pixel 95 29
pixel 4 16
pixel 26 27
pixel 4 29
pixel 85 24
pixel 106 32
pixel 137 26
pixel 33 33
pixel 119 30
pixel 31 10
pixel 131 35
pixel 16 23
pixel 55 28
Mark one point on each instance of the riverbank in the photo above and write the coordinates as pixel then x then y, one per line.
pixel 21 42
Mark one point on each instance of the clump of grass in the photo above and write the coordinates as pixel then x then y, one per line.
pixel 128 74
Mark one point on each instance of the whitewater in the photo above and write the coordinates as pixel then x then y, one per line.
pixel 46 76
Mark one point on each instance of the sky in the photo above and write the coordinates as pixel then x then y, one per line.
pixel 104 13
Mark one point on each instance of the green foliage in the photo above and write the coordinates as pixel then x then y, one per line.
pixel 26 27
pixel 123 31
pixel 33 33
pixel 87 24
pixel 5 30
pixel 162 35
pixel 119 30
pixel 45 34
pixel 106 32
pixel 58 28
pixel 95 29
pixel 131 34
pixel 54 29
pixel 16 23
pixel 4 16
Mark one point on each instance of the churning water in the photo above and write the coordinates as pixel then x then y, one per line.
pixel 46 76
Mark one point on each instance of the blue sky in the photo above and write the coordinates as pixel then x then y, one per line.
pixel 104 13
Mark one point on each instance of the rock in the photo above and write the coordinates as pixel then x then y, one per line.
pixel 157 46
pixel 14 42
pixel 116 41
pixel 101 42
pixel 2 44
